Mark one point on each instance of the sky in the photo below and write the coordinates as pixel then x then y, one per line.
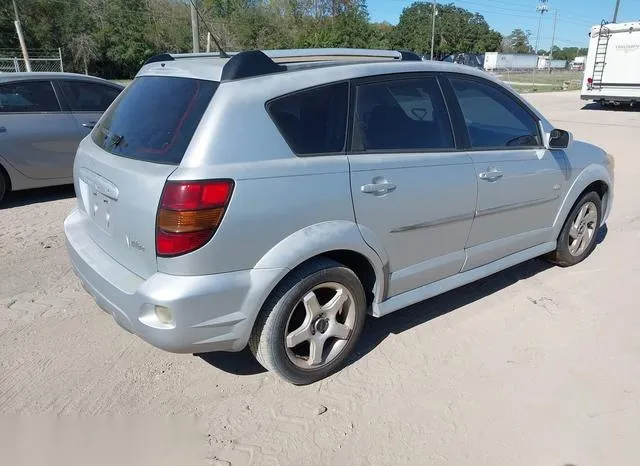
pixel 575 17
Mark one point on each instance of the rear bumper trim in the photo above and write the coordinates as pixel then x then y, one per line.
pixel 211 312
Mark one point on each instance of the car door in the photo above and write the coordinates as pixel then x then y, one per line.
pixel 520 183
pixel 412 190
pixel 37 137
pixel 87 100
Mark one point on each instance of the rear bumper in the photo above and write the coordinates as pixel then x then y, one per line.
pixel 208 313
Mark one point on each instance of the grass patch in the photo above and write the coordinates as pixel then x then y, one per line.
pixel 543 81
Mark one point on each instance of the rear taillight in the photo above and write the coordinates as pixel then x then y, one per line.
pixel 189 214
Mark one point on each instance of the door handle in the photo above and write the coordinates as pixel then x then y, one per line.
pixel 491 175
pixel 3 129
pixel 90 124
pixel 378 188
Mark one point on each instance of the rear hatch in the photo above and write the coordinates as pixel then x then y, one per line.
pixel 121 170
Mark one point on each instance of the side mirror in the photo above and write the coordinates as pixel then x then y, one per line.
pixel 559 139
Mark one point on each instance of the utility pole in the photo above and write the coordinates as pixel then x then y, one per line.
pixel 553 38
pixel 23 45
pixel 433 25
pixel 542 8
pixel 615 12
pixel 195 34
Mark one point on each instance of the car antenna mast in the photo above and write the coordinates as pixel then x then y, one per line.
pixel 223 54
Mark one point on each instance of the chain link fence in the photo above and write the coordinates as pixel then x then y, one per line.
pixel 12 61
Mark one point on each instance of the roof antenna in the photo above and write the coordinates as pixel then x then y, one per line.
pixel 223 54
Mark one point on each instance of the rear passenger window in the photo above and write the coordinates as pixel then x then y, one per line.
pixel 402 115
pixel 493 119
pixel 88 97
pixel 28 97
pixel 313 121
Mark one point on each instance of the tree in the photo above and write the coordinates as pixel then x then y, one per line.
pixel 84 49
pixel 381 35
pixel 457 30
pixel 517 42
pixel 568 53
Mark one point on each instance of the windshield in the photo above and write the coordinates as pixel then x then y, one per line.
pixel 155 118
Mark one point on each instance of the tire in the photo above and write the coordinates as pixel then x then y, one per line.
pixel 3 185
pixel 291 327
pixel 566 253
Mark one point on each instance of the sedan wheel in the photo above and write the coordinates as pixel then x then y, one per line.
pixel 310 323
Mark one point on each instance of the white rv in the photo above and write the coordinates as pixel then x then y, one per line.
pixel 612 69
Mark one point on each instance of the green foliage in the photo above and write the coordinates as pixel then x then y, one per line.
pixel 457 30
pixel 517 42
pixel 113 38
pixel 568 53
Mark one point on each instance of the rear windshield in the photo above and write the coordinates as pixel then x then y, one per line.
pixel 155 118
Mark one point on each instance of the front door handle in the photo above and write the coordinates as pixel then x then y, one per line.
pixel 90 124
pixel 378 189
pixel 3 129
pixel 491 175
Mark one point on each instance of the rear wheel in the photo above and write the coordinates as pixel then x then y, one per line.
pixel 578 236
pixel 311 322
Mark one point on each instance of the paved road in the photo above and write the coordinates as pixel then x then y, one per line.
pixel 533 366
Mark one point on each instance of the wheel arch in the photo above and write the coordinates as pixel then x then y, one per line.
pixel 340 241
pixel 593 178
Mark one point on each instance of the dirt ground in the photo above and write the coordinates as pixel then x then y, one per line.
pixel 533 366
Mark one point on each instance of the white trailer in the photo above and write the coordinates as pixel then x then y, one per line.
pixel 509 61
pixel 612 69
pixel 578 63
pixel 544 64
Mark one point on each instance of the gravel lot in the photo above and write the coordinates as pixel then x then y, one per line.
pixel 533 366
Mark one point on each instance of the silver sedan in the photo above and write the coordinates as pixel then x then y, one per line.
pixel 43 118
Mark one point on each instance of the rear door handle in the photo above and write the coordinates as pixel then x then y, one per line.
pixel 491 175
pixel 90 124
pixel 3 129
pixel 378 188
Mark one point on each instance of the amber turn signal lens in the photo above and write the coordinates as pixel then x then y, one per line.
pixel 188 221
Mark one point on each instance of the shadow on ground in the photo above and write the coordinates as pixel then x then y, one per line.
pixel 611 108
pixel 36 196
pixel 377 330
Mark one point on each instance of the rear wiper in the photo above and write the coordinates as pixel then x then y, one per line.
pixel 116 139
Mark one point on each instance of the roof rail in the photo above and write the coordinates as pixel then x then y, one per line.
pixel 309 54
pixel 259 62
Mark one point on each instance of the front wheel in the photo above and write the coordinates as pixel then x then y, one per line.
pixel 3 186
pixel 311 322
pixel 578 236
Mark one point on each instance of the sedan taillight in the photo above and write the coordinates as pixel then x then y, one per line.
pixel 189 214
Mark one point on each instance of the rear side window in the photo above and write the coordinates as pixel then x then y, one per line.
pixel 493 119
pixel 155 118
pixel 401 115
pixel 28 97
pixel 313 121
pixel 88 97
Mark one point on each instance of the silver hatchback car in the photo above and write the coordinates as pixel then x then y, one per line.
pixel 43 118
pixel 273 199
